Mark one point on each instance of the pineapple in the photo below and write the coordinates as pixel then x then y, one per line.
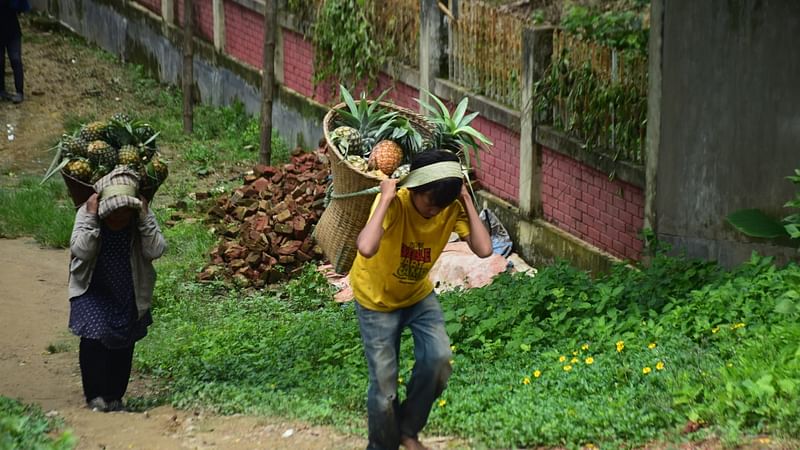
pixel 145 134
pixel 128 155
pixel 102 154
pixel 386 156
pixel 347 139
pixel 94 131
pixel 121 117
pixel 79 168
pixel 153 173
pixel 98 173
pixel 160 168
pixel 74 146
pixel 370 119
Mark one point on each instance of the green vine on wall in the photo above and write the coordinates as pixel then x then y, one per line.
pixel 346 46
pixel 609 115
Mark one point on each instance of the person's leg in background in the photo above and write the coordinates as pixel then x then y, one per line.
pixel 14 47
pixel 3 93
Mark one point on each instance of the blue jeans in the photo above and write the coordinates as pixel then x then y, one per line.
pixel 380 332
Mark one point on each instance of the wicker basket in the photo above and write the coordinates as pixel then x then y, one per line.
pixel 80 191
pixel 344 218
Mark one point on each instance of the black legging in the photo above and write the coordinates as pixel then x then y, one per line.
pixel 104 371
pixel 14 47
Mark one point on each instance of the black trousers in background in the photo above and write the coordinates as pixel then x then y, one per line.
pixel 14 48
pixel 104 371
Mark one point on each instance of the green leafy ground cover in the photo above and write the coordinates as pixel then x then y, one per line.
pixel 26 427
pixel 557 359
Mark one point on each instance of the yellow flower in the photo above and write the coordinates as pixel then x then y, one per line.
pixel 738 325
pixel 453 348
pixel 442 402
pixel 399 380
pixel 714 330
pixel 763 440
pixel 590 360
pixel 651 345
pixel 526 380
pixel 585 347
pixel 574 360
pixel 574 353
pixel 567 368
pixel 660 365
pixel 562 358
pixel 620 345
pixel 537 374
pixel 646 370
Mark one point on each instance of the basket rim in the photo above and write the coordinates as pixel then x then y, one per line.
pixel 328 120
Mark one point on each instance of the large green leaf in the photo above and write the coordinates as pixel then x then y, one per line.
pixel 755 223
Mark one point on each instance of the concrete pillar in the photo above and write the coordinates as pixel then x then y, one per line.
pixel 218 7
pixel 537 51
pixel 168 11
pixel 653 138
pixel 432 44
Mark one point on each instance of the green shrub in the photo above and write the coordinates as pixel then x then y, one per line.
pixel 26 427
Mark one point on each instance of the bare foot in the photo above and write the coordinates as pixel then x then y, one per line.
pixel 412 443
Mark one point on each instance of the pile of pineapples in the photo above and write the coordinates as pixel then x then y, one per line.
pixel 99 146
pixel 373 139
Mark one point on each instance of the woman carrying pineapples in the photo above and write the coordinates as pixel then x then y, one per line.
pixel 111 277
pixel 404 236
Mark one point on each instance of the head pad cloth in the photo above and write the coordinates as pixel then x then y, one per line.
pixel 118 189
pixel 433 172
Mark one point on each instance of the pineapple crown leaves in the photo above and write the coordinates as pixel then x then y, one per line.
pixel 133 132
pixel 453 130
pixel 60 157
pixel 406 136
pixel 369 118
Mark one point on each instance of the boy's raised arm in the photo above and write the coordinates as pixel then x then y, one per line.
pixel 478 240
pixel 369 240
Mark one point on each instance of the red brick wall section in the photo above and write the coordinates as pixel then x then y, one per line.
pixel 298 74
pixel 205 19
pixel 582 201
pixel 298 63
pixel 152 5
pixel 499 169
pixel 244 34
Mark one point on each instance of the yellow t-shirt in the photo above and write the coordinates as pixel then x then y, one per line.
pixel 397 275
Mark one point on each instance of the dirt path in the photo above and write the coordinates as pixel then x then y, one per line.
pixel 35 314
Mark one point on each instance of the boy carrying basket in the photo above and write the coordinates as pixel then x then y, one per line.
pixel 404 236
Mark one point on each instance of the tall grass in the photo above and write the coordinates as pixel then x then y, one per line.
pixel 43 211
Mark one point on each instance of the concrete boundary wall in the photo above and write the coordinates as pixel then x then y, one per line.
pixel 724 122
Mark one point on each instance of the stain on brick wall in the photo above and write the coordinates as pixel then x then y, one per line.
pixel 152 5
pixel 244 34
pixel 582 201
